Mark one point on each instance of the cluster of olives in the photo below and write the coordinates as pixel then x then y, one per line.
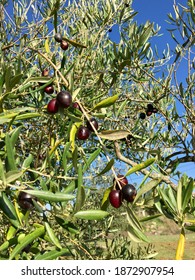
pixel 49 89
pixel 149 110
pixel 64 100
pixel 84 131
pixel 122 191
pixel 63 44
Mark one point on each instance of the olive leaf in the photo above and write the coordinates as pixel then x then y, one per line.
pixel 91 214
pixel 106 102
pixel 113 134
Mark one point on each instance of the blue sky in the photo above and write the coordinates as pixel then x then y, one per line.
pixel 156 11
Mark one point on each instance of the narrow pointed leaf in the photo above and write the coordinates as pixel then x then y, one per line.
pixel 14 136
pixel 145 35
pixel 179 197
pixel 26 116
pixel 8 79
pixel 107 168
pixel 53 255
pixel 73 117
pixel 140 166
pixel 91 159
pixel 2 173
pixel 67 225
pixel 8 210
pixel 91 214
pixel 75 93
pixel 80 198
pixel 113 134
pixel 41 79
pixel 172 196
pixel 74 43
pixel 180 246
pixel 145 219
pixel 27 240
pixel 105 199
pixel 121 108
pixel 27 162
pixel 106 102
pixel 52 235
pixel 73 132
pixel 11 176
pixel 146 188
pixel 187 194
pixel 55 20
pixel 11 232
pixel 75 158
pixel 47 49
pixel 47 195
pixel 65 156
pixel 10 153
pixel 133 220
pixel 167 201
pixel 55 146
pixel 15 80
pixel 136 235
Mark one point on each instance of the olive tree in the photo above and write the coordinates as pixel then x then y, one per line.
pixel 117 109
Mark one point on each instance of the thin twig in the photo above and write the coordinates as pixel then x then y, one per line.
pixel 144 171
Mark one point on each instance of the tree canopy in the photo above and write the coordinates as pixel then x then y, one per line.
pixel 145 116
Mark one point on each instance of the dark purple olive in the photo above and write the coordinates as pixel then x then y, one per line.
pixel 94 122
pixel 142 116
pixel 58 37
pixel 150 107
pixel 148 113
pixel 122 181
pixel 25 200
pixel 64 99
pixel 49 89
pixel 115 198
pixel 52 106
pixel 64 45
pixel 129 193
pixel 83 133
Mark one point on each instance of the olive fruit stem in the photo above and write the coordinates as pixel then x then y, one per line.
pixel 99 139
pixel 53 65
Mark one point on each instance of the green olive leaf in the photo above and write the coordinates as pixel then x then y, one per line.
pixel 91 214
pixel 107 167
pixel 106 102
pixel 140 166
pixel 27 240
pixel 47 195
